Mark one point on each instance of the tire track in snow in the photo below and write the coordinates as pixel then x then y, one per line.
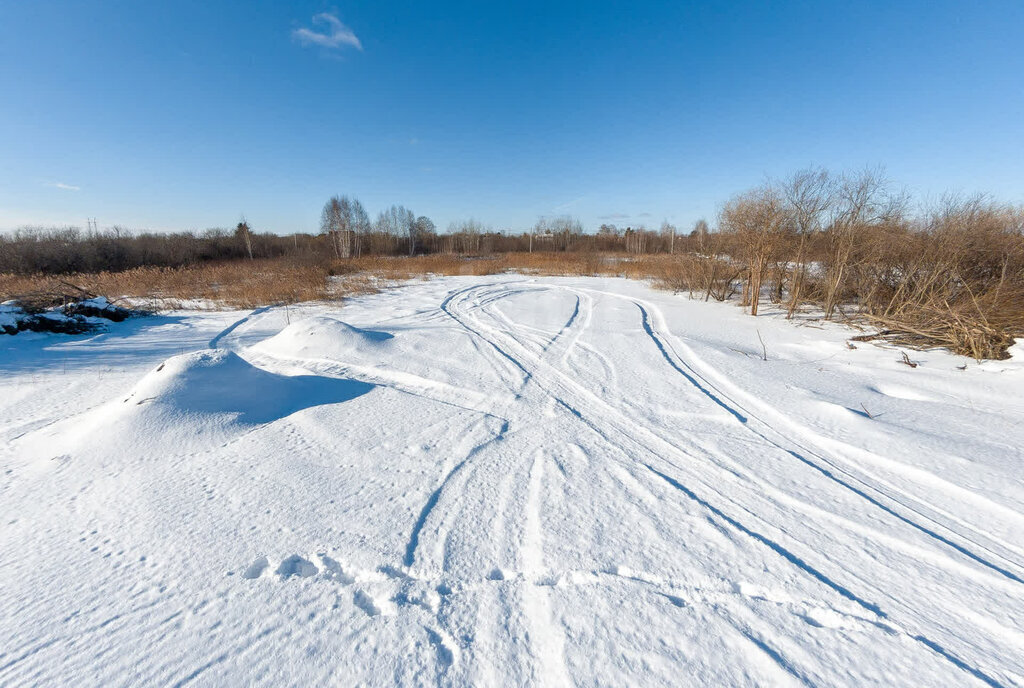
pixel 742 416
pixel 435 496
pixel 764 431
pixel 546 642
pixel 215 342
pixel 783 497
pixel 527 615
pixel 613 418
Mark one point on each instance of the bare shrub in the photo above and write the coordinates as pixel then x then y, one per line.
pixel 759 221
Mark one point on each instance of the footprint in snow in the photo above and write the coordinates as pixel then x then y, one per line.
pixel 296 566
pixel 255 569
pixel 292 566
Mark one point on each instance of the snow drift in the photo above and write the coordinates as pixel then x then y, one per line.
pixel 554 482
pixel 325 338
pixel 192 400
pixel 223 384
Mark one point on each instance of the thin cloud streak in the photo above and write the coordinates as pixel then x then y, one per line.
pixel 569 204
pixel 335 36
pixel 65 187
pixel 624 216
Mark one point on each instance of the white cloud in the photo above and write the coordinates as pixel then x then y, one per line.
pixel 335 34
pixel 62 185
pixel 568 204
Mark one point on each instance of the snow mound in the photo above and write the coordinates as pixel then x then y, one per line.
pixel 188 403
pixel 221 382
pixel 323 337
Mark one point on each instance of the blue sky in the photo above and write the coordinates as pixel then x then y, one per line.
pixel 186 115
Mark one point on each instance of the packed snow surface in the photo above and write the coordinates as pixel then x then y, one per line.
pixel 506 481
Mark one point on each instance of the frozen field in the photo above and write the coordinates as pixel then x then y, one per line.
pixel 506 481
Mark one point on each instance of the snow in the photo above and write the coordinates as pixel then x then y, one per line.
pixel 98 302
pixel 10 314
pixel 506 481
pixel 77 317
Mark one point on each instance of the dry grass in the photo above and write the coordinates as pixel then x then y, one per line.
pixel 249 284
pixel 237 284
pixel 668 271
pixel 944 289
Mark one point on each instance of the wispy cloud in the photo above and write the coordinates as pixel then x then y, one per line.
pixel 564 207
pixel 65 187
pixel 623 216
pixel 333 35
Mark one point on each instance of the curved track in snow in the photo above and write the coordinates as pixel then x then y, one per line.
pixel 547 485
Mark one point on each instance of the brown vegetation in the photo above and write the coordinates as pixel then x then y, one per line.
pixel 841 246
pixel 234 283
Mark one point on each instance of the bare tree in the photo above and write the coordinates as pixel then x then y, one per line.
pixel 333 220
pixel 361 226
pixel 242 230
pixel 862 200
pixel 424 231
pixel 466 235
pixel 346 223
pixel 564 228
pixel 759 220
pixel 395 223
pixel 809 195
pixel 668 231
pixel 700 232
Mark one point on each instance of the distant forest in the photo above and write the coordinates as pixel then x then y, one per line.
pixel 950 272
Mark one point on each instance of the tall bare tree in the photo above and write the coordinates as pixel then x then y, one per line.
pixel 668 233
pixel 759 220
pixel 242 231
pixel 809 195
pixel 862 200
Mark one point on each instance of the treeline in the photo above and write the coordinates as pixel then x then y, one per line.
pixel 949 274
pixel 68 250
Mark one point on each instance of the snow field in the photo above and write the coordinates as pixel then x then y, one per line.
pixel 506 481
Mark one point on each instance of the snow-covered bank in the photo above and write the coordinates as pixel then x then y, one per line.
pixel 77 317
pixel 506 480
